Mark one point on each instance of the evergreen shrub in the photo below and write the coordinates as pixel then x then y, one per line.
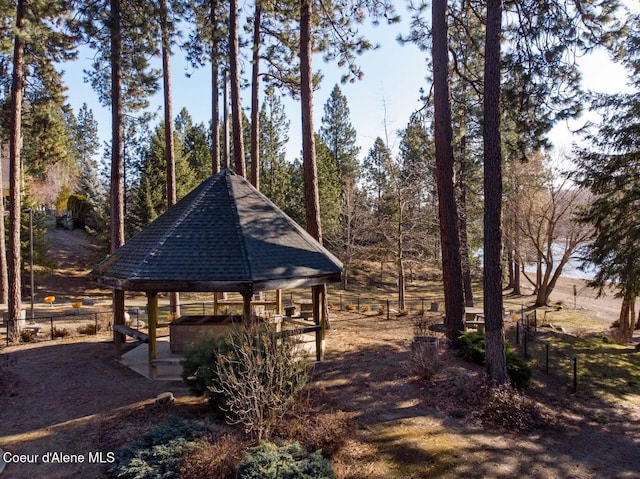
pixel 286 461
pixel 471 348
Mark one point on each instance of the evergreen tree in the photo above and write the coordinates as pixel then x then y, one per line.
pixel 340 136
pixel 207 44
pixel 609 168
pixel 38 42
pixel 87 145
pixel 149 198
pixel 195 141
pixel 274 131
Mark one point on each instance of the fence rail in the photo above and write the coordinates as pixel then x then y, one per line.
pixel 543 352
pixel 57 325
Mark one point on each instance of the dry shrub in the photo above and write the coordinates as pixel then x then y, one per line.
pixel 27 336
pixel 217 459
pixel 580 333
pixel 314 425
pixel 619 336
pixel 380 311
pixel 424 360
pixel 59 332
pixel 365 308
pixel 350 307
pixel 89 328
pixel 510 410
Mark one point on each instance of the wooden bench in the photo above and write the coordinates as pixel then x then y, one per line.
pixel 134 333
pixel 477 323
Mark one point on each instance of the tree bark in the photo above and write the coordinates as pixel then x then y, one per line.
pixel 169 149
pixel 310 167
pixel 465 262
pixel 116 195
pixel 494 332
pixel 215 103
pixel 15 169
pixel 255 107
pixel 236 105
pixel 4 276
pixel 447 211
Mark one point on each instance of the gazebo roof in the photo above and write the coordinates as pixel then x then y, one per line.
pixel 223 236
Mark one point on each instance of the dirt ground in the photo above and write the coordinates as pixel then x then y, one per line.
pixel 72 397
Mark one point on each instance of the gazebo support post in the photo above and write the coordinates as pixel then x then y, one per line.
pixel 118 318
pixel 152 308
pixel 317 299
pixel 278 301
pixel 246 308
pixel 215 304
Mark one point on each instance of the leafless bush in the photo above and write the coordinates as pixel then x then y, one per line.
pixel 59 333
pixel 27 336
pixel 313 425
pixel 424 360
pixel 217 459
pixel 258 378
pixel 88 328
pixel 509 409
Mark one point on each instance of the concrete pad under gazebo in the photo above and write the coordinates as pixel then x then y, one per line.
pixel 224 236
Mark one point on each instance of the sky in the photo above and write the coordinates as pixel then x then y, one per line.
pixel 380 104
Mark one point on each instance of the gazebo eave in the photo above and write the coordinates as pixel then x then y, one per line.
pixel 189 286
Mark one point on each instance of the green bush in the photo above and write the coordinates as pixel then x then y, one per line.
pixel 199 367
pixel 158 453
pixel 519 371
pixel 471 348
pixel 286 461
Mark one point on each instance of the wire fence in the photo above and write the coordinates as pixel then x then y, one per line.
pixel 50 327
pixel 542 354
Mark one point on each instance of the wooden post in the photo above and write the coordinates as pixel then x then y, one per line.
pixel 279 309
pixel 152 308
pixel 215 304
pixel 246 308
pixel 316 295
pixel 118 318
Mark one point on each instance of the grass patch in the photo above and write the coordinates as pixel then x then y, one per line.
pixel 611 371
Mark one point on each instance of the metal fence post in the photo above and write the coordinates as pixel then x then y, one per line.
pixel 517 333
pixel 546 359
pixel 95 318
pixel 51 319
pixel 388 312
pixel 526 332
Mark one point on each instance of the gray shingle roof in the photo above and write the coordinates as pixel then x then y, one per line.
pixel 223 236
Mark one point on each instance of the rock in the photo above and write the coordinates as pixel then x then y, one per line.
pixel 164 399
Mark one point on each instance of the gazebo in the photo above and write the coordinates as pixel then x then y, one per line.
pixel 224 236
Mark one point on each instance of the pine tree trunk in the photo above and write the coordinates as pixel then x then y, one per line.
pixel 236 105
pixel 255 107
pixel 310 167
pixel 215 92
pixel 169 149
pixel 117 160
pixel 14 299
pixel 447 211
pixel 4 276
pixel 465 262
pixel 494 332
